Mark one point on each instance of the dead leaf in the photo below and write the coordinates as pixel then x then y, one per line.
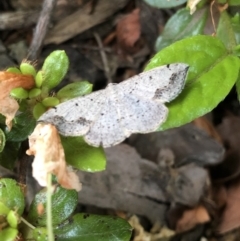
pixel 9 81
pixel 192 4
pixel 163 233
pixel 191 218
pixel 231 214
pixel 204 124
pixel 129 29
pixel 8 108
pixel 45 144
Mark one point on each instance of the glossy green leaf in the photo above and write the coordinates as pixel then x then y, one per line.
pixel 211 76
pixel 9 155
pixel 83 156
pixel 12 195
pixel 225 31
pixel 64 203
pixel 73 90
pixel 181 25
pixel 23 127
pixel 54 68
pixel 87 227
pixel 165 3
pixel 2 140
pixel 8 234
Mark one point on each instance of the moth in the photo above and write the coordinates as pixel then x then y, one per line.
pixel 136 105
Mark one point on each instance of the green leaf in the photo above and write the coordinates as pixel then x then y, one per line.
pixel 12 195
pixel 181 25
pixel 2 140
pixel 165 3
pixel 225 31
pixel 54 68
pixel 8 234
pixel 236 27
pixel 233 2
pixel 27 68
pixel 23 127
pixel 9 155
pixel 211 76
pixel 64 202
pixel 82 156
pixel 87 227
pixel 39 234
pixel 73 90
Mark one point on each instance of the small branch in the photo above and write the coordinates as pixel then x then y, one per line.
pixel 41 29
pixel 104 58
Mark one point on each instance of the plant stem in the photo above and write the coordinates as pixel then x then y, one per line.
pixel 49 208
pixel 27 223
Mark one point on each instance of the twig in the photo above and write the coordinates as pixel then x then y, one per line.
pixel 104 58
pixel 41 29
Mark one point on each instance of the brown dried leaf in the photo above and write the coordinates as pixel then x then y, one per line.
pixel 231 214
pixel 9 81
pixel 129 29
pixel 45 144
pixel 8 108
pixel 191 218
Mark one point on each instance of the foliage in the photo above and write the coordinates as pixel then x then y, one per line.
pixel 214 71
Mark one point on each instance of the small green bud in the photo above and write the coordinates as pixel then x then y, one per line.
pixel 14 70
pixel 19 93
pixel 8 234
pixel 50 101
pixel 33 93
pixel 38 110
pixel 39 79
pixel 27 68
pixel 13 219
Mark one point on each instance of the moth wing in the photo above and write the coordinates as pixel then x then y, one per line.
pixel 76 116
pixel 139 114
pixel 163 83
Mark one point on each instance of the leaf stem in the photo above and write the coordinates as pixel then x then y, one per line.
pixel 27 223
pixel 49 208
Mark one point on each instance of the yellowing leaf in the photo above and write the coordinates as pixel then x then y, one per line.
pixel 45 144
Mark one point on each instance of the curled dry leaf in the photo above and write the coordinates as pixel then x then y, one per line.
pixel 8 108
pixel 129 29
pixel 9 81
pixel 191 218
pixel 45 144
